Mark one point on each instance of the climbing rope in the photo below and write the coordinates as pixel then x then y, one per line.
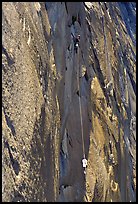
pixel 80 108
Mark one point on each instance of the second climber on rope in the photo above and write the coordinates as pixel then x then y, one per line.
pixel 76 43
pixel 84 164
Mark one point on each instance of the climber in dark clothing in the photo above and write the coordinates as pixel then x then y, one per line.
pixel 76 43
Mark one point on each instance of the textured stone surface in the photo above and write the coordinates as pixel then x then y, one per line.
pixel 42 144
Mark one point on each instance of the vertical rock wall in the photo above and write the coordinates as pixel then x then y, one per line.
pixel 42 134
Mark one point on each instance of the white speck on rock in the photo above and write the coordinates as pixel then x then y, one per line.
pixel 24 24
pixel 29 39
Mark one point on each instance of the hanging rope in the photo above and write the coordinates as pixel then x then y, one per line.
pixel 80 108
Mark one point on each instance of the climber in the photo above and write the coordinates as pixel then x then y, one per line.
pixel 84 164
pixel 76 43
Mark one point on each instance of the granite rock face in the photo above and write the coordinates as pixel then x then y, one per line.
pixel 59 105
